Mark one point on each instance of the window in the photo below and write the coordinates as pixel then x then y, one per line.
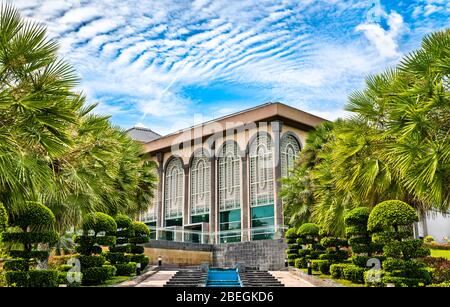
pixel 200 185
pixel 261 171
pixel 173 190
pixel 229 186
pixel 230 226
pixel 289 153
pixel 151 214
pixel 262 191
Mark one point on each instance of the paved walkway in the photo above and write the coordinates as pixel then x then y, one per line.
pixel 157 280
pixel 290 280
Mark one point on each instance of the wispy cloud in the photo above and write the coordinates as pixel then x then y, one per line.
pixel 138 58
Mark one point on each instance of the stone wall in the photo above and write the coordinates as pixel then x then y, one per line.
pixel 263 254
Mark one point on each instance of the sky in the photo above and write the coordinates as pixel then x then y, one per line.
pixel 169 64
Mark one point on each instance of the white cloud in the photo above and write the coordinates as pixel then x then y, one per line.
pixel 385 41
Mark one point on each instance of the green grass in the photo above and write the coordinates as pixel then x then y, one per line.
pixel 344 282
pixel 440 253
pixel 113 281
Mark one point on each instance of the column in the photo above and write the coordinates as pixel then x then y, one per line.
pixel 159 211
pixel 212 209
pixel 245 210
pixel 276 129
pixel 186 213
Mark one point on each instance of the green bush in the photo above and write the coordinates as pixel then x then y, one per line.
pixel 406 249
pixel 134 249
pixel 99 222
pixel 360 261
pixel 123 221
pixel 43 278
pixel 32 255
pixel 96 275
pixel 112 270
pixel 336 270
pixel 291 233
pixel 353 273
pixel 324 267
pixel 315 264
pixel 308 229
pixel 114 258
pixel 16 265
pixel 292 256
pixel 3 217
pixel 17 278
pixel 33 278
pixel 125 269
pixel 33 215
pixel 49 236
pixel 428 239
pixel 443 285
pixel 140 229
pixel 140 258
pixel 391 213
pixel 89 261
pixel 298 263
pixel 106 240
pixel 120 249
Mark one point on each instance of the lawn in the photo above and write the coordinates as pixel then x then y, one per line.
pixel 343 282
pixel 440 253
pixel 113 281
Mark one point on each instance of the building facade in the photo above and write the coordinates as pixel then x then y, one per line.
pixel 219 181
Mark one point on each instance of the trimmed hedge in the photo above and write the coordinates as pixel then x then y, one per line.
pixel 31 215
pixel 99 222
pixel 391 213
pixel 308 229
pixel 3 217
pixel 49 236
pixel 126 269
pixel 96 275
pixel 33 278
pixel 353 273
pixel 337 270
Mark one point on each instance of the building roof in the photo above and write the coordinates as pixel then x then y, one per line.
pixel 263 113
pixel 143 135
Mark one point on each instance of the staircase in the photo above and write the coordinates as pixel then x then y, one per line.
pixel 255 278
pixel 187 278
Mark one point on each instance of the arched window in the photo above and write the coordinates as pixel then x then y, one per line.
pixel 261 171
pixel 290 149
pixel 151 214
pixel 229 187
pixel 173 189
pixel 200 184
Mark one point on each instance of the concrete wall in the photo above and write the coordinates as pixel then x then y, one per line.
pixel 178 252
pixel 263 254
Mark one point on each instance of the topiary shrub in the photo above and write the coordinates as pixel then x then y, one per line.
pixel 334 252
pixel 97 228
pixel 359 238
pixel 353 273
pixel 293 247
pixel 336 270
pixel 3 217
pixel 33 226
pixel 391 222
pixel 428 239
pixel 141 234
pixel 308 243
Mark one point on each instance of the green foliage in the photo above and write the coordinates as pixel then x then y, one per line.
pixel 428 239
pixel 395 146
pixel 140 258
pixel 126 269
pixel 308 229
pixel 406 249
pixel 123 221
pixel 291 233
pixel 353 273
pixel 90 261
pixel 3 217
pixel 33 214
pixel 96 275
pixel 99 222
pixel 337 270
pixel 31 237
pixel 391 214
pixel 33 278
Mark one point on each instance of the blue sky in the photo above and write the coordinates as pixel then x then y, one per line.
pixel 169 64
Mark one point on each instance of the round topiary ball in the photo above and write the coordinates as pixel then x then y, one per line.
pixel 3 217
pixel 140 229
pixel 391 213
pixel 357 216
pixel 98 222
pixel 291 233
pixel 33 214
pixel 308 229
pixel 123 221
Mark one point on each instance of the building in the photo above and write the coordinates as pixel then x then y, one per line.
pixel 219 180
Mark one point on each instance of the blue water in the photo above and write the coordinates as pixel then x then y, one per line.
pixel 223 278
